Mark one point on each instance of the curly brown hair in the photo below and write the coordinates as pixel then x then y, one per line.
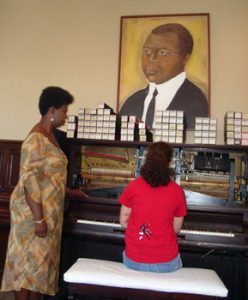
pixel 156 171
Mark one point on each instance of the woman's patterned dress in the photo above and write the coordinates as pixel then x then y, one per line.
pixel 32 262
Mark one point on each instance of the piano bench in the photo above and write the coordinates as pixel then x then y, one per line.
pixel 113 279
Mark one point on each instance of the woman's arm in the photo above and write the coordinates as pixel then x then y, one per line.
pixel 178 223
pixel 124 215
pixel 35 207
pixel 40 226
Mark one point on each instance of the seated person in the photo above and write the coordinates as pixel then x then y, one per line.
pixel 152 211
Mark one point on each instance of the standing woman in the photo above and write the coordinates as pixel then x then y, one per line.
pixel 152 211
pixel 37 203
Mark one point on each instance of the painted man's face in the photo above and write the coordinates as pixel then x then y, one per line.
pixel 161 57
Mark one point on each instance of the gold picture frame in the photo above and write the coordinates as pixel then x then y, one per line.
pixel 133 34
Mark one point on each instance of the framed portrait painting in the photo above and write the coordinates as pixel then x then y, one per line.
pixel 134 34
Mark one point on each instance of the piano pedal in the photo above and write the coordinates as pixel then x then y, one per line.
pixel 206 254
pixel 72 297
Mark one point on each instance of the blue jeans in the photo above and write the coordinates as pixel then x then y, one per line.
pixel 167 267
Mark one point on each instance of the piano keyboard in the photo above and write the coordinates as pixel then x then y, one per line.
pixel 99 223
pixel 209 233
pixel 182 231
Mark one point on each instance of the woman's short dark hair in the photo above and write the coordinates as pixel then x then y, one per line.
pixel 53 96
pixel 156 170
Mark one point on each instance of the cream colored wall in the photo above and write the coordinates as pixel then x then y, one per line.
pixel 75 44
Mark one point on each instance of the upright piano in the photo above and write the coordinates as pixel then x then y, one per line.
pixel 215 230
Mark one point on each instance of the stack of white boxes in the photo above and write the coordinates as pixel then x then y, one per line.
pixel 71 126
pixel 205 130
pixel 144 134
pixel 169 126
pixel 129 128
pixel 132 129
pixel 236 128
pixel 97 123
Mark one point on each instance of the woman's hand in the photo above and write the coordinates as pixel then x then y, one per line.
pixel 76 193
pixel 124 215
pixel 40 229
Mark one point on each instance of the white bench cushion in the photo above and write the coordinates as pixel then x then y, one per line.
pixel 109 273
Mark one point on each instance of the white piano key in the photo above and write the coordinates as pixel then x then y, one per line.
pixel 99 223
pixel 210 233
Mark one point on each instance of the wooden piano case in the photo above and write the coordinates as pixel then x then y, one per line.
pixel 224 207
pixel 216 192
pixel 9 172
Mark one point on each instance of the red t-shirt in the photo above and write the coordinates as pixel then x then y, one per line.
pixel 150 237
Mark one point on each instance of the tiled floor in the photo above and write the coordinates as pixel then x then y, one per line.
pixel 6 296
pixel 10 296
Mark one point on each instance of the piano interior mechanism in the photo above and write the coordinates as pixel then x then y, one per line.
pixel 215 231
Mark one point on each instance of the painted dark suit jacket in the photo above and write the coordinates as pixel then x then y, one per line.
pixel 189 98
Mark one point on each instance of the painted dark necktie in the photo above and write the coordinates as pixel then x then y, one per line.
pixel 150 110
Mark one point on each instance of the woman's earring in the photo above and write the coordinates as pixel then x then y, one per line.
pixel 52 119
